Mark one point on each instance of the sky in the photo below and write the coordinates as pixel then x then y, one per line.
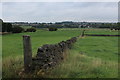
pixel 59 0
pixel 59 11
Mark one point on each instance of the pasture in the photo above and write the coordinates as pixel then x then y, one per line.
pixel 13 44
pixel 90 57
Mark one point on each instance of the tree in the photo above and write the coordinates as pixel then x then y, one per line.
pixel 32 29
pixel 118 26
pixel 9 27
pixel 6 27
pixel 1 22
pixel 52 29
pixel 17 29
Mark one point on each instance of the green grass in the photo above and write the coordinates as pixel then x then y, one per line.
pixel 11 66
pixel 90 57
pixel 13 44
pixel 12 47
pixel 102 47
pixel 82 66
pixel 101 31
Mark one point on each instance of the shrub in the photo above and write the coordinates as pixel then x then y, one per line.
pixel 6 27
pixel 17 29
pixel 32 29
pixel 52 29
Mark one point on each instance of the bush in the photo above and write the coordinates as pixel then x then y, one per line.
pixel 6 27
pixel 52 29
pixel 17 29
pixel 32 29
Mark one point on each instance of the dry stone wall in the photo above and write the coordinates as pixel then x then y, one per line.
pixel 50 55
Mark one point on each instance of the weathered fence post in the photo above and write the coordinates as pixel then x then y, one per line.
pixel 27 53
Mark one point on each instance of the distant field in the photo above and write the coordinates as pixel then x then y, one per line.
pixel 90 57
pixel 25 27
pixel 104 31
pixel 13 44
pixel 94 31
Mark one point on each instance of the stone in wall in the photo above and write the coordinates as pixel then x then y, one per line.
pixel 50 55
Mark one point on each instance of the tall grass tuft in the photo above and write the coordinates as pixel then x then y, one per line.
pixel 82 66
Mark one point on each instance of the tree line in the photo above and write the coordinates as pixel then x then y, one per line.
pixel 8 27
pixel 111 26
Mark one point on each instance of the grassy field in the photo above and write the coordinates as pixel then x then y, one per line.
pixel 101 31
pixel 13 44
pixel 90 57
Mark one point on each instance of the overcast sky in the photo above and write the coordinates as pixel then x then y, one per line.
pixel 60 11
pixel 60 0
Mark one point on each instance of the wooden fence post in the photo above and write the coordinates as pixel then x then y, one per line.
pixel 27 53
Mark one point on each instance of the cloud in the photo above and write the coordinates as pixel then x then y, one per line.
pixel 60 11
pixel 0 10
pixel 59 0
